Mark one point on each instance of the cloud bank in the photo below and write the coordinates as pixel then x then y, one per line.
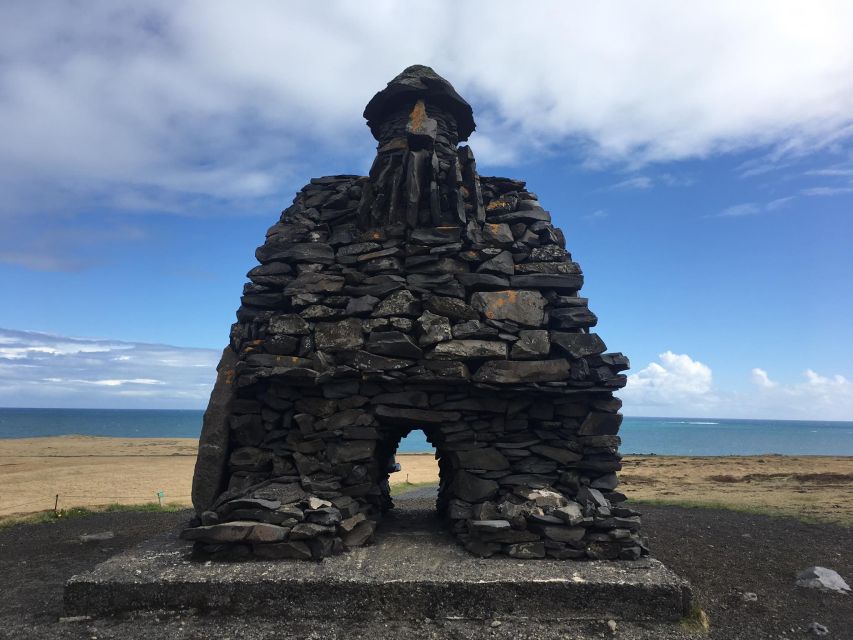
pixel 677 385
pixel 198 107
pixel 43 370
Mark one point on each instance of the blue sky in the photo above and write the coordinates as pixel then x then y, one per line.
pixel 699 160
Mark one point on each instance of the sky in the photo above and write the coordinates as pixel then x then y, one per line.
pixel 699 158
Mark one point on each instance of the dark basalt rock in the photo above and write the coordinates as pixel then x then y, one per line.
pixel 422 296
pixel 508 372
pixel 393 343
pixel 314 252
pixel 488 459
pixel 414 83
pixel 482 281
pixel 468 350
pixel 452 308
pixel 548 281
pixel 210 476
pixel 405 417
pixel 310 282
pixel 433 328
pixel 531 345
pixel 523 307
pixel 578 345
pixel 401 303
pixel 599 423
pixel 471 488
pixel 339 336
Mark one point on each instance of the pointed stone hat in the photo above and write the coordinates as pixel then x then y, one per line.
pixel 414 83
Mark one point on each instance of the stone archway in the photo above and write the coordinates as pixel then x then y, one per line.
pixel 420 296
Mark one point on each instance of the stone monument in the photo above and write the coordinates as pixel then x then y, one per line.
pixel 422 296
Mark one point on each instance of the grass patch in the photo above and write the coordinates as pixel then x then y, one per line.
pixel 824 479
pixel 776 512
pixel 81 512
pixel 696 621
pixel 403 487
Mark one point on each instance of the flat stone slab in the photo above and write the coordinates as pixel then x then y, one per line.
pixel 414 570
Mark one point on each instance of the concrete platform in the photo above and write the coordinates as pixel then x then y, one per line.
pixel 415 570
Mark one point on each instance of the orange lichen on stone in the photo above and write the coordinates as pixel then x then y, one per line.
pixel 497 204
pixel 502 298
pixel 252 346
pixel 418 116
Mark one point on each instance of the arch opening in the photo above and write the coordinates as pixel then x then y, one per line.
pixel 409 460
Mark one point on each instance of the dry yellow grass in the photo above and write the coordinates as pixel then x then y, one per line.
pixel 416 468
pixel 91 471
pixel 818 487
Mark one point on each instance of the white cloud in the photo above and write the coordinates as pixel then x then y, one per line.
pixel 678 385
pixel 761 379
pixel 676 379
pixel 816 397
pixel 637 182
pixel 737 210
pixel 779 203
pixel 752 208
pixel 598 214
pixel 826 191
pixel 195 106
pixel 108 383
pixel 832 173
pixel 829 384
pixel 645 182
pixel 43 370
pixel 671 180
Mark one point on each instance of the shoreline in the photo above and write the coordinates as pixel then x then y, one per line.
pixel 187 439
pixel 95 471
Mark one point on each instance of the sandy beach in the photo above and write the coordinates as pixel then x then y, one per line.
pixel 93 471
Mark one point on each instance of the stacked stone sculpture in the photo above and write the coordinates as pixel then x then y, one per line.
pixel 423 296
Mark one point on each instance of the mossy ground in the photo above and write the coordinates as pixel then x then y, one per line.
pixel 81 512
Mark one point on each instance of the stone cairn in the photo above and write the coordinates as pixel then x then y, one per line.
pixel 423 296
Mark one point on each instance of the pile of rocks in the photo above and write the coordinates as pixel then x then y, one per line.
pixel 422 296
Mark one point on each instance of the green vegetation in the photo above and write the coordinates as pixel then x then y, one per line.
pixel 696 621
pixel 403 487
pixel 81 512
pixel 776 512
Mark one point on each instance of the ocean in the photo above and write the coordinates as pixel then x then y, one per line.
pixel 662 436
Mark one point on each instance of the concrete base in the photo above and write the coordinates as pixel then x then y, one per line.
pixel 413 571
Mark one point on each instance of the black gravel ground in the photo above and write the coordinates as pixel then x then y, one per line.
pixel 724 554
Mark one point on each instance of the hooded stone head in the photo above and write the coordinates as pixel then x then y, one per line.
pixel 420 177
pixel 419 84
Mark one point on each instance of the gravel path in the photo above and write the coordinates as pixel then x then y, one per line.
pixel 729 554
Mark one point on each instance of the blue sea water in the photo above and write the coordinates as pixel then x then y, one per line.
pixel 119 423
pixel 663 436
